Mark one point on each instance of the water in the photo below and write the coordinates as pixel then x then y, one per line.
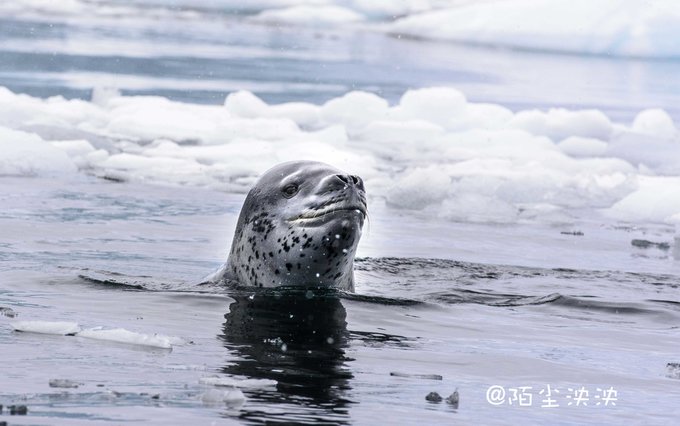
pixel 439 305
pixel 474 324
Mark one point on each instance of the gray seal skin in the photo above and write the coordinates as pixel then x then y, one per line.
pixel 299 226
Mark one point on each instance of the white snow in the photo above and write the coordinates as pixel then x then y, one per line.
pixel 434 152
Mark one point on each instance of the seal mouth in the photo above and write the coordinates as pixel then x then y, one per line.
pixel 331 210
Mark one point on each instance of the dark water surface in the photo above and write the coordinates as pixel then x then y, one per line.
pixel 416 324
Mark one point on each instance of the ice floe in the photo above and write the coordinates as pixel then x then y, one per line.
pixel 433 152
pixel 236 383
pixel 121 335
pixel 630 28
pixel 46 327
pixel 118 335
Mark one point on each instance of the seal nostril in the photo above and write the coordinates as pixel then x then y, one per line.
pixel 355 179
pixel 343 178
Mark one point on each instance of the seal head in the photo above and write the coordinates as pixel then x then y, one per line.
pixel 299 226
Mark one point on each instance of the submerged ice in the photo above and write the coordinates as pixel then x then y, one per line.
pixel 433 152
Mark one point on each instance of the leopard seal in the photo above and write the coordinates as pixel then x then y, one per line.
pixel 299 226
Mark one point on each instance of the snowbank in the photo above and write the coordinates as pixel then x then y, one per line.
pixel 434 152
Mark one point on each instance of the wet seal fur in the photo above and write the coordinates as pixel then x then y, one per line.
pixel 299 227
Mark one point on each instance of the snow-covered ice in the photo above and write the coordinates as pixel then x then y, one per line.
pixel 433 151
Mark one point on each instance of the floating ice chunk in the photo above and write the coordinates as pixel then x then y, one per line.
pixel 235 383
pixel 46 327
pixel 482 116
pixel 435 104
pixel 560 123
pixel 304 114
pixel 26 154
pixel 316 16
pixel 420 188
pixel 213 396
pixel 355 110
pixel 74 148
pixel 577 146
pixel 22 111
pixel 661 155
pixel 655 122
pixel 245 104
pixel 657 199
pixel 149 118
pixel 122 335
pixel 505 143
pixel 401 131
pixel 256 128
pixel 153 117
pixel 63 383
pixel 233 398
pixel 149 165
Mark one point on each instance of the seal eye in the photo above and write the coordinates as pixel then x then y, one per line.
pixel 290 190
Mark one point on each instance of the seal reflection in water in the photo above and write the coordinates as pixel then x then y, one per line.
pixel 299 226
pixel 297 338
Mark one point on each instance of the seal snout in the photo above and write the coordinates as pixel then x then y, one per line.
pixel 353 180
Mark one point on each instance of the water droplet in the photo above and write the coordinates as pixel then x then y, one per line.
pixel 330 340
